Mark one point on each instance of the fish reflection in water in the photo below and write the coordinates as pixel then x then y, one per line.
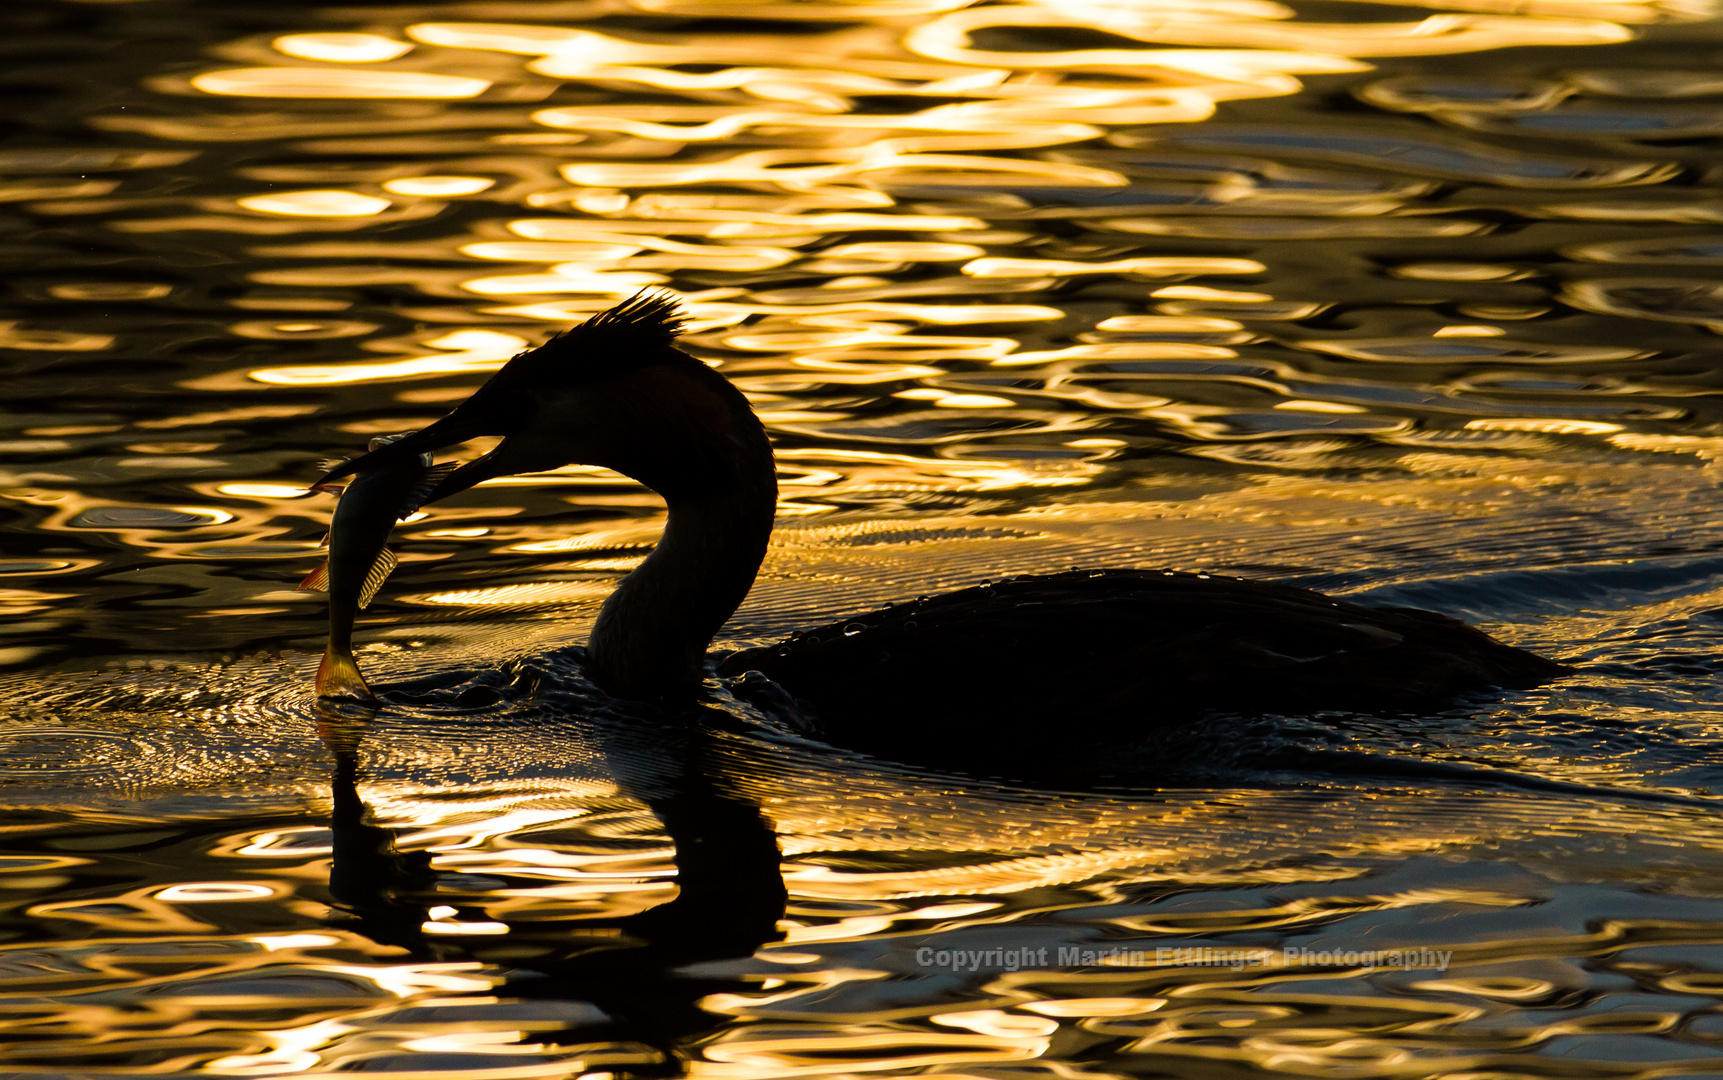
pixel 1114 653
pixel 730 893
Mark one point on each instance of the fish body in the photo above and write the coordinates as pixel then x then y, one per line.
pixel 359 559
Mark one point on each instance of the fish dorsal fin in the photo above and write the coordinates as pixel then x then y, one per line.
pixel 419 492
pixel 317 580
pixel 331 462
pixel 386 562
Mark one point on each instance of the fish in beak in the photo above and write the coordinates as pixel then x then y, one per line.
pixel 359 559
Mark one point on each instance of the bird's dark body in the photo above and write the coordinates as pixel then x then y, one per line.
pixel 1089 658
pixel 1122 650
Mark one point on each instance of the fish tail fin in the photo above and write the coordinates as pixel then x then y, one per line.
pixel 338 677
pixel 317 580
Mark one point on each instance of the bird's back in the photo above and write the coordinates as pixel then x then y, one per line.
pixel 1109 652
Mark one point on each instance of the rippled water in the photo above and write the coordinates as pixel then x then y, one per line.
pixel 1416 303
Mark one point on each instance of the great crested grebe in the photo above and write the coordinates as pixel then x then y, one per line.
pixel 1116 647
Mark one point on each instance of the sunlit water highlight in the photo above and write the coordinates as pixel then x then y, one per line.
pixel 1414 303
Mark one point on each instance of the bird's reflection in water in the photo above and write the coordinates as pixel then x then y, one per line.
pixel 730 895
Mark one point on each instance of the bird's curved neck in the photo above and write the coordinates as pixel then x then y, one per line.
pixel 650 638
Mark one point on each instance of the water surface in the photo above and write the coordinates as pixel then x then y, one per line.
pixel 1414 303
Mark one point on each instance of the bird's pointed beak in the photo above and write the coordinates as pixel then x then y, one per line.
pixel 472 473
pixel 450 430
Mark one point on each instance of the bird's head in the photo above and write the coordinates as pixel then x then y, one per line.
pixel 614 392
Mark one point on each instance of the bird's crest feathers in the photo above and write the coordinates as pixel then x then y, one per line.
pixel 651 314
pixel 635 334
pixel 632 334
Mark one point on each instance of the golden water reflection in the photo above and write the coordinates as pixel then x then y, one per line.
pixel 1204 943
pixel 1414 301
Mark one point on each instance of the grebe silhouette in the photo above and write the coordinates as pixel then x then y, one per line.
pixel 1101 652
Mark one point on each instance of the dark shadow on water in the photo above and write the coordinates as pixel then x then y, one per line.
pixel 730 895
pixel 1139 752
